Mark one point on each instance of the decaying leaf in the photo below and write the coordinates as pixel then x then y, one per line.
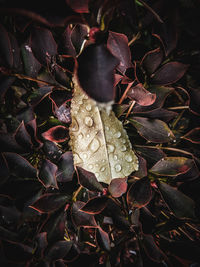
pixel 98 140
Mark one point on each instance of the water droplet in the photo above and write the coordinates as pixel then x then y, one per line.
pixel 123 148
pixel 88 135
pixel 110 148
pixel 80 102
pixel 103 160
pixel 128 158
pixel 74 126
pixel 94 145
pixel 86 97
pixel 123 141
pixel 90 166
pixel 97 165
pixel 88 107
pixel 88 121
pixel 115 157
pixel 85 155
pixel 107 128
pixel 102 169
pixel 80 136
pixel 97 174
pixel 117 134
pixel 118 167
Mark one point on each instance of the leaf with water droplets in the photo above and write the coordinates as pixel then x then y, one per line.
pixel 98 140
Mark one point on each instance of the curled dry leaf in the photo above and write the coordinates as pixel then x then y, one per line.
pixel 98 140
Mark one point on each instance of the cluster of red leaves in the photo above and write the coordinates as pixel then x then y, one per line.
pixel 146 59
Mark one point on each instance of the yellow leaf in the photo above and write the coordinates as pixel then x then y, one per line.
pixel 98 140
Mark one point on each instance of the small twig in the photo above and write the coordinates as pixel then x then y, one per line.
pixel 76 193
pixel 130 108
pixel 134 38
pixel 125 93
pixel 178 107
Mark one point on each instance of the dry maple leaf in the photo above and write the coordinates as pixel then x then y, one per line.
pixel 98 140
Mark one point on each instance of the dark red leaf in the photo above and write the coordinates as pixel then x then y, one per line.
pixel 56 134
pixel 31 64
pixel 152 249
pixel 17 252
pixel 43 44
pixel 5 47
pixel 58 250
pixel 15 53
pixel 88 180
pixel 22 137
pixel 147 220
pixel 95 205
pixel 9 144
pixel 161 94
pixel 50 202
pixel 152 60
pixel 159 113
pixel 65 167
pixel 26 115
pixel 68 46
pixel 5 83
pixel 62 113
pixel 19 166
pixel 80 6
pixel 180 204
pixel 153 130
pixel 78 36
pixel 47 174
pixel 152 155
pixel 31 127
pixel 39 95
pixel 51 150
pixel 103 239
pixel 8 235
pixel 172 166
pixel 194 103
pixel 193 136
pixel 142 170
pixel 169 73
pixel 4 170
pixel 42 243
pixel 139 194
pixel 141 95
pixel 118 45
pixel 118 187
pixel 60 97
pixel 81 218
pixel 96 72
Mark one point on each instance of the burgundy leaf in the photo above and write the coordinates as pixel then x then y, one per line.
pixel 152 155
pixel 169 73
pixel 172 166
pixel 56 134
pixel 60 97
pixel 4 170
pixel 152 60
pixel 15 52
pixel 39 95
pixel 5 83
pixel 141 95
pixel 19 166
pixel 31 127
pixel 22 137
pixel 51 150
pixel 68 46
pixel 96 72
pixel 194 103
pixel 159 113
pixel 47 174
pixel 22 253
pixel 193 136
pixel 95 205
pixel 62 113
pixel 7 235
pixel 81 218
pixel 118 187
pixel 181 205
pixel 78 36
pixel 58 250
pixel 50 202
pixel 26 115
pixel 142 170
pixel 152 249
pixel 9 144
pixel 118 45
pixel 161 94
pixel 139 194
pixel 43 44
pixel 31 64
pixel 147 220
pixel 42 242
pixel 153 130
pixel 5 47
pixel 88 180
pixel 103 239
pixel 80 6
pixel 65 167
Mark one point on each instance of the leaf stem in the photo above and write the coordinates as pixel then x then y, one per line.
pixel 125 93
pixel 76 193
pixel 178 107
